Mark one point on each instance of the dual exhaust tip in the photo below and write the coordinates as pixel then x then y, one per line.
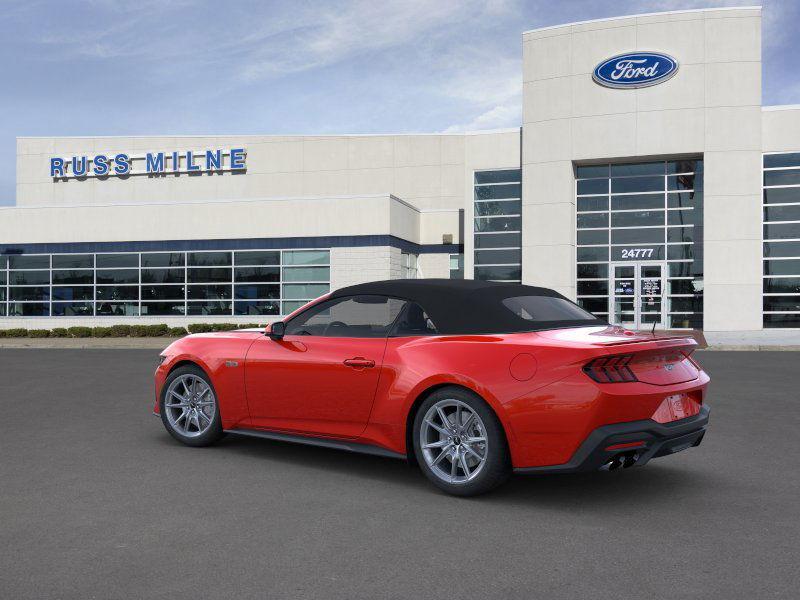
pixel 623 460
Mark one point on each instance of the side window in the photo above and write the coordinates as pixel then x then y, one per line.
pixel 356 316
pixel 414 321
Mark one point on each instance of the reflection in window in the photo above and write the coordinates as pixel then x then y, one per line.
pixel 497 225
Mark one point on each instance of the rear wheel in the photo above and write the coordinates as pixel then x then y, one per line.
pixel 189 407
pixel 459 443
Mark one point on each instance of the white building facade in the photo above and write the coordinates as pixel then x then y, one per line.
pixel 653 190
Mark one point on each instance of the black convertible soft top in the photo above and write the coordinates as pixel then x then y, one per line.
pixel 466 306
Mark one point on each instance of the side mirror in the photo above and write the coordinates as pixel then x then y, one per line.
pixel 277 330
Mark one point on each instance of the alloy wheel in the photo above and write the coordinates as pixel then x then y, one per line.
pixel 190 405
pixel 453 441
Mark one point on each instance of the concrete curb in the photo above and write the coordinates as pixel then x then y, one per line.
pixel 158 343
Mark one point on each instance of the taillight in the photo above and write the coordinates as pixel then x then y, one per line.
pixel 611 369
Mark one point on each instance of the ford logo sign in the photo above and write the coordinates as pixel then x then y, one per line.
pixel 635 70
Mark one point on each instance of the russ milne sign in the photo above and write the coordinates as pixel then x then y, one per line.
pixel 635 70
pixel 151 163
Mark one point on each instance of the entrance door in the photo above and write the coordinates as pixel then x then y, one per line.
pixel 637 294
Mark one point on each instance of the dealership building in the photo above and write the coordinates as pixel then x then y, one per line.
pixel 646 181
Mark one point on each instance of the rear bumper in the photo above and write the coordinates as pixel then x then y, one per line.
pixel 656 440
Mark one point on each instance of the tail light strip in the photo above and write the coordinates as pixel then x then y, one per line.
pixel 611 369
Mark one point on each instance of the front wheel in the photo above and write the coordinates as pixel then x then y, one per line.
pixel 189 407
pixel 459 443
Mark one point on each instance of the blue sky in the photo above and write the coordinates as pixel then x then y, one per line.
pixel 105 67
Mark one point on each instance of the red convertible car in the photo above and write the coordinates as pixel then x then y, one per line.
pixel 471 380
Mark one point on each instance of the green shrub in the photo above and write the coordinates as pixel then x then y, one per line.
pixel 101 332
pixel 200 327
pixel 223 326
pixel 138 331
pixel 59 332
pixel 248 326
pixel 2 333
pixel 157 330
pixel 120 330
pixel 80 332
pixel 176 331
pixel 16 332
pixel 38 333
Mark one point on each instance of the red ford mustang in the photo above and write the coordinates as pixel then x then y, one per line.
pixel 469 379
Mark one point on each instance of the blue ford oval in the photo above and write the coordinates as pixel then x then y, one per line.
pixel 635 70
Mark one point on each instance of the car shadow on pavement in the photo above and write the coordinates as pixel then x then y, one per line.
pixel 593 491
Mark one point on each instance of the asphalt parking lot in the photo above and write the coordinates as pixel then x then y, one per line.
pixel 97 501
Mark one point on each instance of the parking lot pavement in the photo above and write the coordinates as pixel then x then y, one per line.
pixel 97 501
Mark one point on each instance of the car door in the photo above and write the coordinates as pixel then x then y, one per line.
pixel 321 377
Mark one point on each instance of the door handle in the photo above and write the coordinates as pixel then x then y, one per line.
pixel 359 362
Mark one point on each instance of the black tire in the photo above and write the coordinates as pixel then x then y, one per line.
pixel 213 432
pixel 497 464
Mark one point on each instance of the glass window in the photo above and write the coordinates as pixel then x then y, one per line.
pixel 782 213
pixel 781 249
pixel 306 257
pixel 498 257
pixel 782 303
pixel 788 177
pixel 684 217
pixel 593 236
pixel 256 291
pixel 680 252
pixel 306 273
pixel 28 309
pixel 259 307
pixel 2 277
pixel 358 316
pixel 684 166
pixel 593 254
pixel 637 202
pixel 782 285
pixel 790 159
pixel 592 271
pixel 592 203
pixel 114 261
pixel 594 305
pixel 73 261
pixel 590 171
pixel 65 277
pixel 501 176
pixel 220 307
pixel 593 288
pixel 684 199
pixel 73 309
pixel 684 286
pixel 497 273
pixel 118 276
pixel 782 231
pixel 782 195
pixel 162 309
pixel 681 269
pixel 651 168
pixel 209 275
pixel 544 309
pixel 413 321
pixel 117 292
pixel 209 259
pixel 162 292
pixel 29 262
pixel 456 266
pixel 593 220
pixel 494 192
pixel 498 240
pixel 29 293
pixel 498 224
pixel 163 275
pixel 304 291
pixel 3 262
pixel 680 234
pixel 684 182
pixel 637 236
pixel 784 320
pixel 257 273
pixel 505 207
pixel 782 267
pixel 117 309
pixel 29 277
pixel 636 184
pixel 256 258
pixel 85 292
pixel 163 259
pixel 637 219
pixel 592 187
pixel 209 292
